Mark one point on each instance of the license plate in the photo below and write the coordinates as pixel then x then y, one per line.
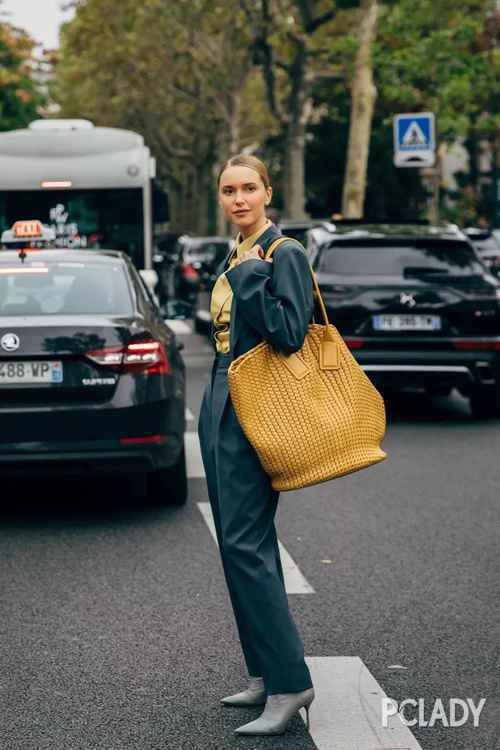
pixel 30 373
pixel 406 322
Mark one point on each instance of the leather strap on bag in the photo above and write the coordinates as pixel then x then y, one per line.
pixel 329 350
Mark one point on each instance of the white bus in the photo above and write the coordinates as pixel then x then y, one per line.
pixel 93 185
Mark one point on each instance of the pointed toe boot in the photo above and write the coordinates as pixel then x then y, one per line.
pixel 280 707
pixel 254 695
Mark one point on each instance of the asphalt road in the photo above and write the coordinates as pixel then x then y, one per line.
pixel 116 630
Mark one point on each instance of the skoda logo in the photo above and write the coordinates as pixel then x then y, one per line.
pixel 10 342
pixel 407 299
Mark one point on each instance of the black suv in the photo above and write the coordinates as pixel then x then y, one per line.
pixel 415 305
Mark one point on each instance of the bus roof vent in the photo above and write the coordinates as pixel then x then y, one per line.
pixel 61 125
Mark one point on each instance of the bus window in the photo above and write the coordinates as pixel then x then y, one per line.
pixel 101 218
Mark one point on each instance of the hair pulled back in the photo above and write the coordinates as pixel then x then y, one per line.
pixel 246 160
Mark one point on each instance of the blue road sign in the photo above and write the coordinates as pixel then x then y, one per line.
pixel 414 140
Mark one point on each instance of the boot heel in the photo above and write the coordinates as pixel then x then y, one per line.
pixel 307 705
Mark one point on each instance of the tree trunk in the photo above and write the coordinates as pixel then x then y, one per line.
pixel 299 109
pixel 294 177
pixel 363 95
pixel 229 145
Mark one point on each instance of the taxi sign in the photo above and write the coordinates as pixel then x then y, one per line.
pixel 25 229
pixel 30 234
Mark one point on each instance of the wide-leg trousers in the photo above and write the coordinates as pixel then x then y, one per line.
pixel 243 506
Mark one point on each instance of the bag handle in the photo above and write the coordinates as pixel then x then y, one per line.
pixel 316 291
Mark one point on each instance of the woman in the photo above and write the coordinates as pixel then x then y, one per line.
pixel 254 300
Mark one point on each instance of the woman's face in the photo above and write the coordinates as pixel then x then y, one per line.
pixel 244 197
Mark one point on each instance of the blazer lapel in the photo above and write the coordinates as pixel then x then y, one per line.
pixel 266 238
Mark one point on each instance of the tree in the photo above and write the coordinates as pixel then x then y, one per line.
pixel 292 54
pixel 442 57
pixel 188 96
pixel 438 56
pixel 363 95
pixel 19 94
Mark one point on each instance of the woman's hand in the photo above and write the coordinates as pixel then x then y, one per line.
pixel 255 253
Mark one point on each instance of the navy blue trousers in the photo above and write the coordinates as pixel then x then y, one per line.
pixel 243 506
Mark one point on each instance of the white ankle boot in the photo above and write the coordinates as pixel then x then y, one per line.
pixel 254 695
pixel 280 707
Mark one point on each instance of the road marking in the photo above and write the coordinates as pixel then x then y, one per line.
pixel 178 326
pixel 295 583
pixel 195 469
pixel 346 713
pixel 189 415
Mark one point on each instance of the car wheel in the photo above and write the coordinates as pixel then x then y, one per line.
pixel 485 403
pixel 170 486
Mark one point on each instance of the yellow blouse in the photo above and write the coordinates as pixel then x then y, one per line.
pixel 222 294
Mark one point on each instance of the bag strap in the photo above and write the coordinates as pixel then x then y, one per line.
pixel 316 291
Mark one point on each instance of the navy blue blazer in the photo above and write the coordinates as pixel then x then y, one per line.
pixel 272 301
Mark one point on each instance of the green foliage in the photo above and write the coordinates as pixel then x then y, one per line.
pixel 19 94
pixel 435 55
pixel 196 77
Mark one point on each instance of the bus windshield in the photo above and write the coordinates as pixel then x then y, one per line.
pixel 96 218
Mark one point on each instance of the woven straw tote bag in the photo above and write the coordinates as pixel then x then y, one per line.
pixel 313 415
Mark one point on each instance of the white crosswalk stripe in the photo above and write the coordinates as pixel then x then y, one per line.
pixel 195 468
pixel 347 712
pixel 295 583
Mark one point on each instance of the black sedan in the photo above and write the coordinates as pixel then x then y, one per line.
pixel 416 306
pixel 91 377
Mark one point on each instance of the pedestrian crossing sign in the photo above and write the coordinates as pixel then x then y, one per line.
pixel 414 140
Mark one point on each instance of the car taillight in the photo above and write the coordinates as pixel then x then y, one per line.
pixel 353 343
pixel 146 356
pixel 149 356
pixel 146 440
pixel 477 344
pixel 111 356
pixel 189 272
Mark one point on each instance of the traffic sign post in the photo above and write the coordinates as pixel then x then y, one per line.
pixel 415 140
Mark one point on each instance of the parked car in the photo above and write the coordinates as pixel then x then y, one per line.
pixel 164 259
pixel 298 229
pixel 91 378
pixel 487 245
pixel 416 307
pixel 197 258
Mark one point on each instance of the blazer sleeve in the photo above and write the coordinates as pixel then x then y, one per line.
pixel 276 298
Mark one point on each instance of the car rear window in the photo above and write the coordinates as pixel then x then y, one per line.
pixel 383 258
pixel 64 288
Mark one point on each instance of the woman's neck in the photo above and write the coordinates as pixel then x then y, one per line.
pixel 248 231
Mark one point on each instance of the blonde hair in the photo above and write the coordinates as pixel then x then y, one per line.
pixel 246 160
